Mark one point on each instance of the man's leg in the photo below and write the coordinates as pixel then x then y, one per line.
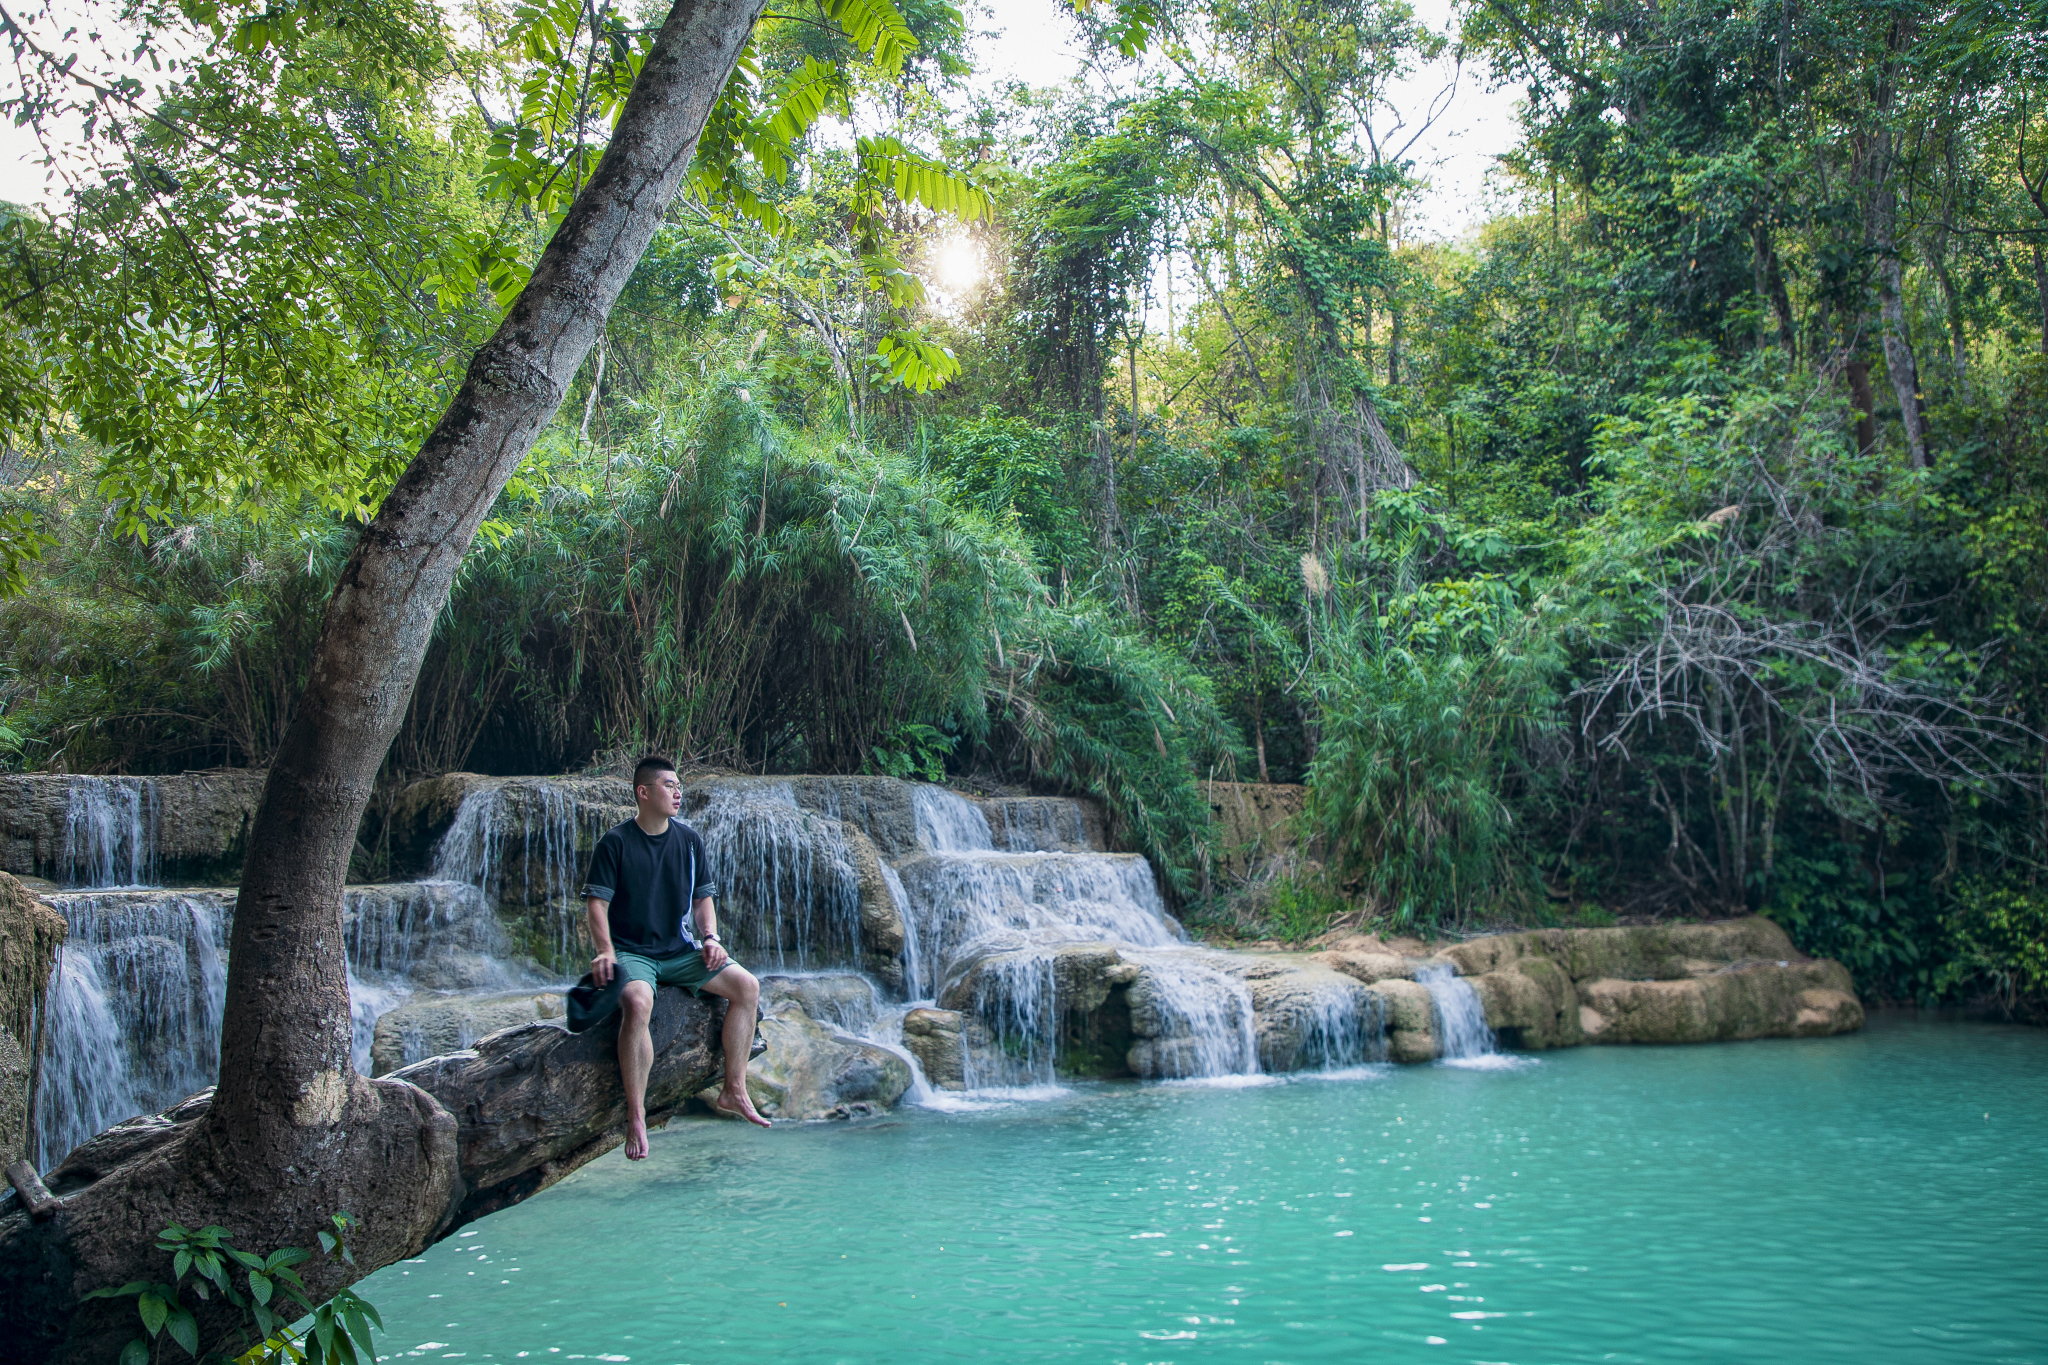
pixel 742 996
pixel 636 1059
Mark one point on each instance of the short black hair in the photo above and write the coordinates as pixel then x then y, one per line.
pixel 653 763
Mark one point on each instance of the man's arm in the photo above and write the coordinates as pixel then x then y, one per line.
pixel 715 956
pixel 598 889
pixel 597 914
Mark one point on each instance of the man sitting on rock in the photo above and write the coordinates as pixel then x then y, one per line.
pixel 649 906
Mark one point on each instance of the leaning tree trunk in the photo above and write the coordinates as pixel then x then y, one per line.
pixel 293 1134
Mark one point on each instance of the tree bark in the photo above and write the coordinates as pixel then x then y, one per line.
pixel 1898 345
pixel 2041 290
pixel 293 1134
pixel 1858 374
pixel 1770 283
pixel 1884 218
pixel 1898 356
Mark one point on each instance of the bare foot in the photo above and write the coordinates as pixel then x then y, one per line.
pixel 636 1139
pixel 740 1105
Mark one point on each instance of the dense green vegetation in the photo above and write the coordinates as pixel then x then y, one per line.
pixel 1672 544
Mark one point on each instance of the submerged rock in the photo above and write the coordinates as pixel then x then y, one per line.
pixel 933 1037
pixel 430 1026
pixel 812 1072
pixel 840 999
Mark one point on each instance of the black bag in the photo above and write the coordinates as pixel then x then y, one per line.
pixel 591 1004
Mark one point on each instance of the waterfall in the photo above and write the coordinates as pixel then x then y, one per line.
pixel 1200 1019
pixel 524 845
pixel 963 901
pixel 918 981
pixel 1341 1029
pixel 1017 997
pixel 787 876
pixel 134 1010
pixel 110 832
pixel 441 933
pixel 1461 1028
pixel 1005 914
pixel 949 823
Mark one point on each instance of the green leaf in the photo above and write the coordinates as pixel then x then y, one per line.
pixel 181 1263
pixel 358 1328
pixel 805 98
pixel 136 1352
pixel 877 28
pixel 323 1331
pixel 260 1286
pixel 185 1331
pixel 153 1310
pixel 132 1287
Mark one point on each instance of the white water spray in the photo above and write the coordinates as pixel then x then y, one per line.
pixel 134 1010
pixel 110 832
pixel 1461 1028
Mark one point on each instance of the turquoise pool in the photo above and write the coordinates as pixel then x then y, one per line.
pixel 1876 1198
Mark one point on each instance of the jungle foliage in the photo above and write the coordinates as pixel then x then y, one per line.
pixel 1671 543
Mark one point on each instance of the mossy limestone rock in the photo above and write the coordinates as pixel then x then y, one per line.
pixel 1254 822
pixel 1646 952
pixel 1369 965
pixel 14 1081
pixel 840 1000
pixel 811 1072
pixel 1809 999
pixel 1411 1021
pixel 933 1037
pixel 1531 1005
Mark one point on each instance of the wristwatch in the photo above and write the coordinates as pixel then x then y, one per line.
pixel 712 938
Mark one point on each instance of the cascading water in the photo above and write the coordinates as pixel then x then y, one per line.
pixel 1006 915
pixel 1038 825
pixel 1461 1028
pixel 110 832
pixel 788 876
pixel 914 973
pixel 1201 1019
pixel 134 1010
pixel 1344 1030
pixel 524 847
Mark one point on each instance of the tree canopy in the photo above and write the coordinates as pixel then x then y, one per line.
pixel 1668 543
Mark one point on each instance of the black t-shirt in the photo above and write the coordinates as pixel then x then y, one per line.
pixel 651 882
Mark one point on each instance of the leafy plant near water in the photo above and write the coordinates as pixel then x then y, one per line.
pixel 271 1297
pixel 2000 932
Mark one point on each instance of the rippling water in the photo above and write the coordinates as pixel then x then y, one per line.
pixel 1877 1198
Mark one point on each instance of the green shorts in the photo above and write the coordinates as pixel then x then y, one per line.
pixel 684 969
